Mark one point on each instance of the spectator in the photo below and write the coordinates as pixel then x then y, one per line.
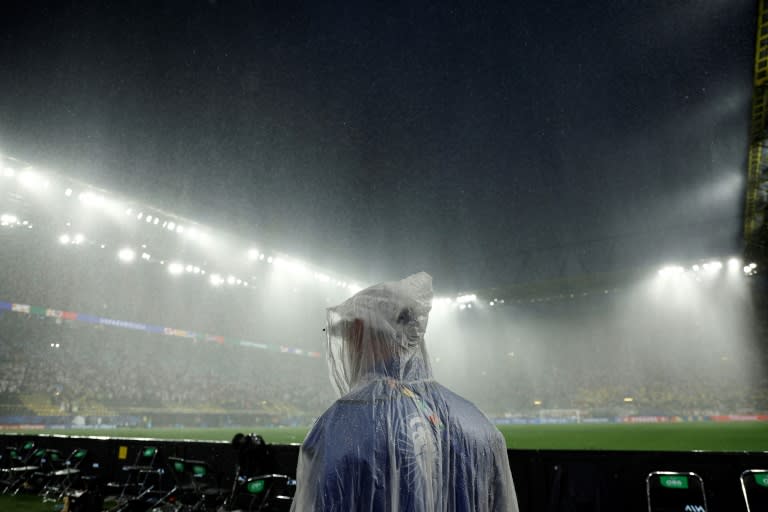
pixel 396 439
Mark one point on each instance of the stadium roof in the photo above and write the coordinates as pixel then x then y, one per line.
pixel 489 145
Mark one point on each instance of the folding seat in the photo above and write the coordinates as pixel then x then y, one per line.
pixel 754 486
pixel 264 492
pixel 31 475
pixel 140 478
pixel 70 477
pixel 669 490
pixel 255 486
pixel 196 486
pixel 13 456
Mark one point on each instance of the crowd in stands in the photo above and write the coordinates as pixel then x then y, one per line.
pixel 77 364
pixel 608 390
pixel 566 357
pixel 74 364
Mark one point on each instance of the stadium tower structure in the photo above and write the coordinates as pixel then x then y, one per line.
pixel 756 204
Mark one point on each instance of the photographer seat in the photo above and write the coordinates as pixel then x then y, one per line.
pixel 141 477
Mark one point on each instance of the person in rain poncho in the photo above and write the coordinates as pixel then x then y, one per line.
pixel 397 440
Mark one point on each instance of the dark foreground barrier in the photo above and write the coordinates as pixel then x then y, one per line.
pixel 546 480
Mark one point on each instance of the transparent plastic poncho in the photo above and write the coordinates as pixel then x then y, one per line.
pixel 396 440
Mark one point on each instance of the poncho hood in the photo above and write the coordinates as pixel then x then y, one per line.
pixel 378 333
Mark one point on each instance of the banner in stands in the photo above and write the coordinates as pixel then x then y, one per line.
pixel 740 417
pixel 155 329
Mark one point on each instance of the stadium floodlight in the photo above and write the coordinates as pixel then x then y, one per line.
pixel 196 270
pixel 126 255
pixel 239 281
pixel 231 280
pixel 78 239
pixel 140 215
pixel 441 301
pixel 68 192
pixel 90 199
pixel 253 254
pixel 93 200
pixel 146 256
pixel 32 180
pixel 156 221
pixel 695 268
pixel 671 270
pixel 463 299
pixel 148 218
pixel 188 268
pixel 171 226
pixel 216 280
pixel 462 306
pixel 128 211
pixel 712 266
pixel 64 239
pixel 733 264
pixel 8 172
pixel 180 229
pixel 270 260
pixel 8 219
pixel 491 303
pixel 103 246
pixel 175 268
pixel 297 267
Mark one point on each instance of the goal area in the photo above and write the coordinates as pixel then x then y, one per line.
pixel 560 416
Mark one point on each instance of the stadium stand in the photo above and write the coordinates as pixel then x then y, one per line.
pixel 136 373
pixel 120 372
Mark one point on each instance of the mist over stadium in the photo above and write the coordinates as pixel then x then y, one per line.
pixel 185 187
pixel 109 287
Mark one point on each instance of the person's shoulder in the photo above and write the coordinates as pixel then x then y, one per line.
pixel 350 408
pixel 324 424
pixel 456 400
pixel 466 413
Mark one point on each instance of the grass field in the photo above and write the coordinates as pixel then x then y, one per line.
pixel 26 504
pixel 744 436
pixel 747 436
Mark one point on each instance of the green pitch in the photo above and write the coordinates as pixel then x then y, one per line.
pixel 746 436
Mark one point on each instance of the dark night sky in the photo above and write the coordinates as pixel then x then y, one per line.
pixel 487 144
